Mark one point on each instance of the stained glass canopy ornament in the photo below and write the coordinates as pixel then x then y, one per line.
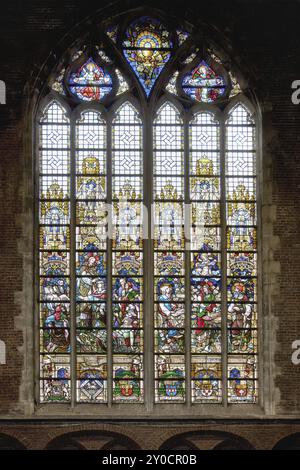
pixel 147 48
pixel 90 82
pixel 203 84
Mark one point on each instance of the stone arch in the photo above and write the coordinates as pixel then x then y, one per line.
pixel 92 440
pixel 206 440
pixel 10 443
pixel 291 442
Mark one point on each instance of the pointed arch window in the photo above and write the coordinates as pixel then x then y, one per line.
pixel 147 258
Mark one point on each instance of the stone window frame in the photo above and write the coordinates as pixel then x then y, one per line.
pixel 163 412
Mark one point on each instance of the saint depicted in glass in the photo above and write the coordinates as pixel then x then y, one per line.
pixel 147 285
pixel 147 47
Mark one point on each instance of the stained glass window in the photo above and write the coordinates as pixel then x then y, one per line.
pixel 205 259
pixel 54 254
pixel 241 256
pixel 169 282
pixel 147 284
pixel 90 82
pixel 147 48
pixel 127 256
pixel 203 84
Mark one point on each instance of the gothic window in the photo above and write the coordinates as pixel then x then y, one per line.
pixel 147 258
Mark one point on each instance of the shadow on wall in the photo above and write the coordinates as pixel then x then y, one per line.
pixel 291 442
pixel 92 440
pixel 206 440
pixel 10 443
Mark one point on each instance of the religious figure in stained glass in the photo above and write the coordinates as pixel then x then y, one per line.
pixel 89 288
pixel 100 158
pixel 204 185
pixel 205 264
pixel 88 185
pixel 91 315
pixel 147 47
pixel 171 314
pixel 90 82
pixel 203 84
pixel 56 335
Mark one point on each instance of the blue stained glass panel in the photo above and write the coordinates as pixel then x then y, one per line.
pixel 147 48
pixel 90 82
pixel 203 84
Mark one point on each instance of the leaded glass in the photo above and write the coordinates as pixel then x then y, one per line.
pixel 123 85
pixel 91 259
pixel 54 187
pixel 55 339
pixel 205 289
pixel 181 36
pixel 55 212
pixel 171 85
pixel 241 264
pixel 54 263
pixel 92 379
pixel 127 263
pixel 54 162
pixel 205 238
pixel 241 256
pixel 91 341
pixel 205 264
pixel 206 341
pixel 128 379
pixel 55 374
pixel 58 84
pixel 203 84
pixel 91 238
pixel 54 267
pixel 184 303
pixel 206 267
pixel 103 56
pixel 190 58
pixel 241 315
pixel 127 257
pixel 127 315
pixel 91 315
pixel 170 378
pixel 241 289
pixel 206 315
pixel 112 32
pixel 236 89
pixel 147 48
pixel 90 82
pixel 206 379
pixel 168 218
pixel 169 263
pixel 242 379
pixel 169 314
